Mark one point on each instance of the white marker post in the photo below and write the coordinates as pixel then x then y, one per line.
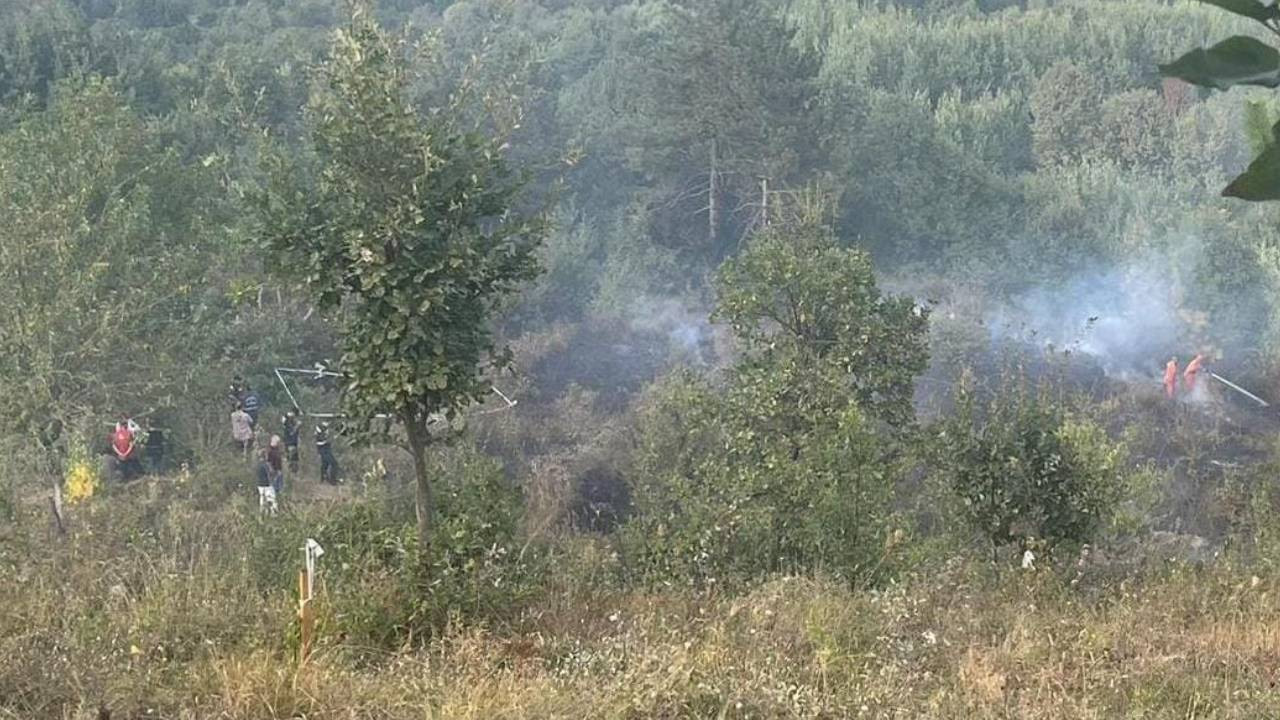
pixel 306 592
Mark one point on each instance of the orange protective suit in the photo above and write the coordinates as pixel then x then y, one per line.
pixel 1193 369
pixel 1171 378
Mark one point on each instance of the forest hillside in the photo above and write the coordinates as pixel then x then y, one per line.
pixel 639 359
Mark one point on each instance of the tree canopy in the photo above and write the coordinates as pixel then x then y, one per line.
pixel 410 233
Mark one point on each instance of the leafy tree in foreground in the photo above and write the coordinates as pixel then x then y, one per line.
pixel 1241 60
pixel 408 232
pixel 788 466
pixel 797 296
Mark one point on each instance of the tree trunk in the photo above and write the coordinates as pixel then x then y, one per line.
pixel 713 190
pixel 764 202
pixel 416 429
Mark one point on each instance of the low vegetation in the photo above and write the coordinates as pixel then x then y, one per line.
pixel 172 598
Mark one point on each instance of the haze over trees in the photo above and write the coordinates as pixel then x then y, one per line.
pixel 728 358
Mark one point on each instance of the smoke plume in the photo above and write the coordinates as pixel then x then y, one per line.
pixel 1126 318
pixel 685 325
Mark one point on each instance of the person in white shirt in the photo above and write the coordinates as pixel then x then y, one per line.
pixel 242 430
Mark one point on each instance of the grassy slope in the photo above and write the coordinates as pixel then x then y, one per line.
pixel 173 597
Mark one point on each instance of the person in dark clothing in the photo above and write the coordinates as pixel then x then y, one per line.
pixel 251 403
pixel 275 458
pixel 235 392
pixel 292 434
pixel 50 433
pixel 155 450
pixel 266 493
pixel 328 463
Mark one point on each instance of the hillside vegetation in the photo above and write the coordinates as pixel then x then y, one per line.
pixel 176 601
pixel 715 359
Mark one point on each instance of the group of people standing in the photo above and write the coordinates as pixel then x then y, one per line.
pixel 279 450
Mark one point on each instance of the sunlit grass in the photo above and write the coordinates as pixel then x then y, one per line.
pixel 153 605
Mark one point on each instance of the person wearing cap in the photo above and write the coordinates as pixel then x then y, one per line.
pixel 252 404
pixel 328 463
pixel 235 391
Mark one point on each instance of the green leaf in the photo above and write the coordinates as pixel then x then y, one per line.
pixel 1261 181
pixel 1248 8
pixel 1237 60
pixel 1258 125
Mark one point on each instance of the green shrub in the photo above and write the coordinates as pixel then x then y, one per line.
pixel 786 467
pixel 482 571
pixel 721 496
pixel 1024 468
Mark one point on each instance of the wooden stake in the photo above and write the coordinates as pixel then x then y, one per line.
pixel 306 592
pixel 306 617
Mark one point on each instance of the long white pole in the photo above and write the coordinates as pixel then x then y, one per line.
pixel 1239 389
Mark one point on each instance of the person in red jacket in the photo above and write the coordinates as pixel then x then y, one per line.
pixel 124 443
pixel 1171 378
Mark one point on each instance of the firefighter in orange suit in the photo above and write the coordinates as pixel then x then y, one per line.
pixel 1171 378
pixel 1193 369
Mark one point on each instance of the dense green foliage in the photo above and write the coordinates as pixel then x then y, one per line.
pixel 479 568
pixel 407 234
pixel 731 265
pixel 971 152
pixel 1025 472
pixel 406 229
pixel 108 233
pixel 724 492
pixel 1240 60
pixel 796 297
pixel 936 128
pixel 781 466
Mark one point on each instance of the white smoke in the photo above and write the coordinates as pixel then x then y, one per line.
pixel 686 325
pixel 1126 318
